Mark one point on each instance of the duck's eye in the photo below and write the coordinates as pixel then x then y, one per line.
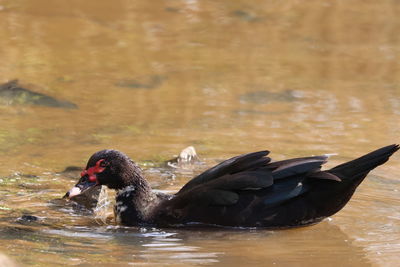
pixel 103 163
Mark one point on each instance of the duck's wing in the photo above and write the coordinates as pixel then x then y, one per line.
pixel 307 165
pixel 222 184
pixel 231 166
pixel 244 184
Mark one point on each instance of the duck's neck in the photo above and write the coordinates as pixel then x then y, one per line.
pixel 134 202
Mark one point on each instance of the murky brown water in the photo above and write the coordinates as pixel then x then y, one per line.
pixel 228 77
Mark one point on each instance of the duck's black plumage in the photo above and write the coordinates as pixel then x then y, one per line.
pixel 248 190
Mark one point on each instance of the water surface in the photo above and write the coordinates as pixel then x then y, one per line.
pixel 228 77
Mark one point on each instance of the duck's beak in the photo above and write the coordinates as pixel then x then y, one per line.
pixel 81 187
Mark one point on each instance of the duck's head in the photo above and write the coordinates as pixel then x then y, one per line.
pixel 107 167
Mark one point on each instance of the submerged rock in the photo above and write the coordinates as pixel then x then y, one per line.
pixel 262 97
pixel 71 171
pixel 11 93
pixel 172 9
pixel 245 15
pixel 150 82
pixel 27 218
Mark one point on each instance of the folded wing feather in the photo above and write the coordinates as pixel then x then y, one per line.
pixel 223 184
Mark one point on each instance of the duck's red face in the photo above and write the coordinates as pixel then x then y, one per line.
pixel 92 171
pixel 88 178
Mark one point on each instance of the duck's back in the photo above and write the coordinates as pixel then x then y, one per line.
pixel 251 191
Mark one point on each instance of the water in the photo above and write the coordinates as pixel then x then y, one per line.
pixel 228 77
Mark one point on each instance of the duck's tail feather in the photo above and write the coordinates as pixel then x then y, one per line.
pixel 357 169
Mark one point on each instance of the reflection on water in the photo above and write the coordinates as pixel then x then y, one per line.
pixel 228 77
pixel 140 246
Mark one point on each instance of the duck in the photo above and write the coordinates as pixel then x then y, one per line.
pixel 248 190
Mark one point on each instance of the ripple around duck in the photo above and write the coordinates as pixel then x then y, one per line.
pixel 76 234
pixel 151 245
pixel 178 251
